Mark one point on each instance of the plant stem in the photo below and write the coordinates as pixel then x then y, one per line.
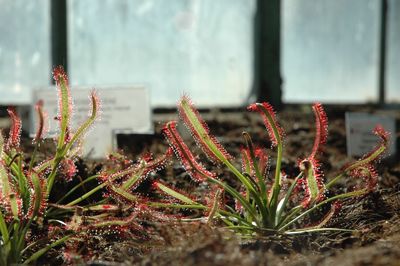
pixel 42 251
pixel 276 188
pixel 345 195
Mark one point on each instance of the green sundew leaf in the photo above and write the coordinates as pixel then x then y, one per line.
pixel 316 230
pixel 3 229
pixel 177 206
pixel 125 194
pixel 314 184
pixel 42 251
pixel 316 206
pixel 246 204
pixel 14 205
pixel 175 194
pixel 214 207
pixel 372 156
pixel 133 179
pixel 82 183
pixel 65 104
pixel 1 145
pixel 261 183
pixel 192 119
pixel 38 194
pixel 103 207
pixel 282 204
pixel 246 163
pixel 6 189
pixel 89 122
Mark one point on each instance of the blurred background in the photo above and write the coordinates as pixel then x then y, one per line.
pixel 221 52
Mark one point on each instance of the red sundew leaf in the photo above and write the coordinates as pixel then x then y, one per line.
pixel 383 134
pixel 10 199
pixel 144 169
pixel 200 131
pixel 43 167
pixel 263 160
pixel 195 170
pixel 38 197
pixel 247 162
pixel 93 115
pixel 335 209
pixel 369 174
pixel 312 181
pixel 42 122
pixel 114 225
pixel 120 184
pixel 15 130
pixel 68 169
pixel 267 112
pixel 148 156
pixel 109 207
pixel 173 192
pixel 321 126
pixel 238 206
pixel 215 201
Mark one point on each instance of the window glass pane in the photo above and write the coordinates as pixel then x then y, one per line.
pixel 330 50
pixel 24 49
pixel 393 55
pixel 203 48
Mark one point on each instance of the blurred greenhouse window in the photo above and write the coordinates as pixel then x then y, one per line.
pixel 393 55
pixel 24 49
pixel 203 48
pixel 330 50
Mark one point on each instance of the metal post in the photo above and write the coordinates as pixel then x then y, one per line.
pixel 382 52
pixel 267 77
pixel 58 11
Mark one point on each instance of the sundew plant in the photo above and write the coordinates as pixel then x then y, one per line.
pixel 31 225
pixel 25 188
pixel 266 201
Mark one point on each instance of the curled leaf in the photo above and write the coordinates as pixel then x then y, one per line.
pixel 267 112
pixel 312 181
pixel 373 155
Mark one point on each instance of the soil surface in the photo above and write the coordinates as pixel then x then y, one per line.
pixel 376 217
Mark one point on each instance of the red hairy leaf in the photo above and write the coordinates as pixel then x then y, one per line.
pixel 64 102
pixel 321 126
pixel 182 151
pixel 15 130
pixel 42 119
pixel 267 112
pixel 200 131
pixel 373 155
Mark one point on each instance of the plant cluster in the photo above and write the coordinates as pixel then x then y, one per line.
pixel 263 203
pixel 30 225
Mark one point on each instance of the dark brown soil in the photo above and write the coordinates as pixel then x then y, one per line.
pixel 376 216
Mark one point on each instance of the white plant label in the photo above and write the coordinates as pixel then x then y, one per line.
pixel 360 138
pixel 123 110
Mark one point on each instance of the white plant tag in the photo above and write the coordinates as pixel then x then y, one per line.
pixel 360 138
pixel 123 110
